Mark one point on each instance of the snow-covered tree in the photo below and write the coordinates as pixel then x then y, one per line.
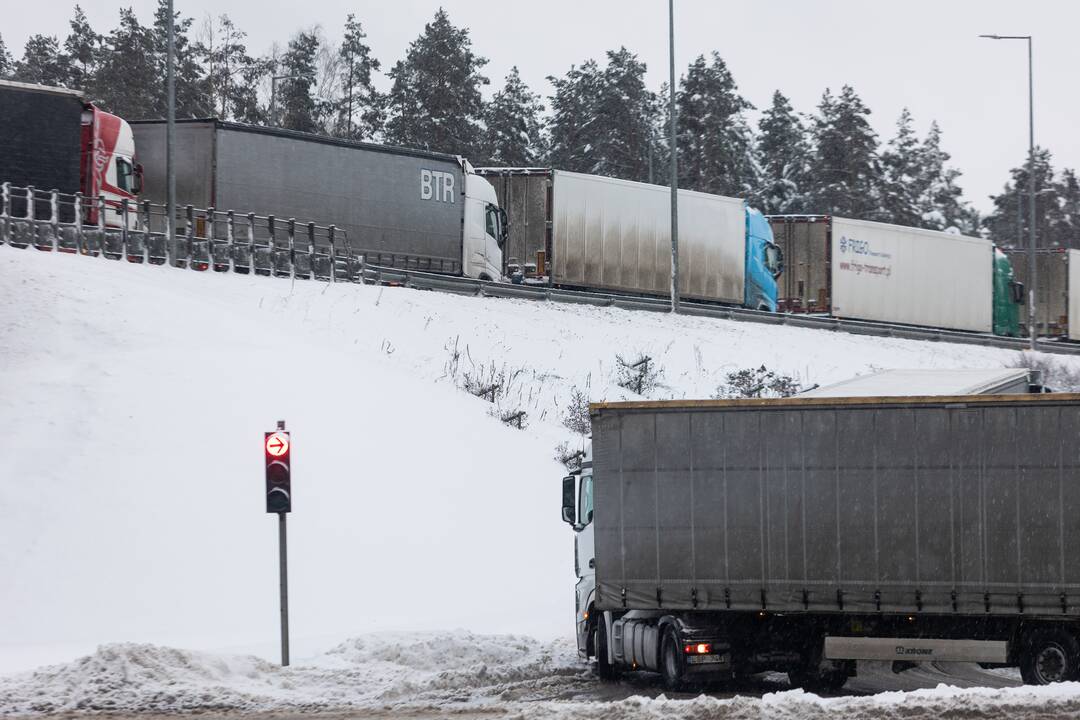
pixel 231 74
pixel 435 100
pixel 6 62
pixel 83 49
pixel 903 179
pixel 296 106
pixel 129 81
pixel 845 171
pixel 783 154
pixel 192 99
pixel 574 126
pixel 716 147
pixel 603 119
pixel 42 62
pixel 512 134
pixel 359 111
pixel 941 202
pixel 1054 202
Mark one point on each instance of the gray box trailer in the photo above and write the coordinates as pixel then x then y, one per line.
pixel 593 232
pixel 804 534
pixel 402 208
pixel 1057 273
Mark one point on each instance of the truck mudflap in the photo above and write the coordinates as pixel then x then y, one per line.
pixel 916 649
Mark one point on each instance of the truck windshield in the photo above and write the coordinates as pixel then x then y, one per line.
pixel 774 259
pixel 585 500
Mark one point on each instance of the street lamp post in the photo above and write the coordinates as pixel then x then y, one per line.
pixel 674 165
pixel 170 136
pixel 1031 183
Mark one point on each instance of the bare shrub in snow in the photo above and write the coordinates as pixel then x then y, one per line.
pixel 513 417
pixel 639 376
pixel 571 459
pixel 576 415
pixel 758 382
pixel 1057 374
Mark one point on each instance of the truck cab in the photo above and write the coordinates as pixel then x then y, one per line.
pixel 1008 296
pixel 577 510
pixel 108 167
pixel 485 229
pixel 764 263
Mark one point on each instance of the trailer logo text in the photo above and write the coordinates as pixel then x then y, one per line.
pixel 901 650
pixel 860 247
pixel 437 186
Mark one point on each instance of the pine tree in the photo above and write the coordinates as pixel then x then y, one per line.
pixel 359 114
pixel 783 153
pixel 624 109
pixel 42 62
pixel 231 74
pixel 128 81
pixel 845 172
pixel 1011 214
pixel 575 126
pixel 83 48
pixel 435 100
pixel 716 148
pixel 512 135
pixel 192 98
pixel 6 62
pixel 941 201
pixel 904 179
pixel 1069 190
pixel 297 108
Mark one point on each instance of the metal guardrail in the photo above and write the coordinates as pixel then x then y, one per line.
pixel 243 243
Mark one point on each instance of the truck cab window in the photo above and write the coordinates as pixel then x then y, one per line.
pixel 585 503
pixel 774 259
pixel 492 224
pixel 125 175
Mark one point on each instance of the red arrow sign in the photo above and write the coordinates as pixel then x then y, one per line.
pixel 277 444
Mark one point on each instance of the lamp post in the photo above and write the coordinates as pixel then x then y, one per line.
pixel 1031 183
pixel 273 92
pixel 674 165
pixel 170 137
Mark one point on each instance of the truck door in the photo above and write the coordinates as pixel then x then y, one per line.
pixel 584 554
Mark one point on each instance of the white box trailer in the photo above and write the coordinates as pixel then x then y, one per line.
pixel 1057 275
pixel 886 273
pixel 588 231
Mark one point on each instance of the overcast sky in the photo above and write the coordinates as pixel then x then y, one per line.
pixel 923 54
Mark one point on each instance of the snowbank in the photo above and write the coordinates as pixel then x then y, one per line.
pixel 432 674
pixel 133 400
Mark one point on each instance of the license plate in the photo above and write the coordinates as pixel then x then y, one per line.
pixel 706 659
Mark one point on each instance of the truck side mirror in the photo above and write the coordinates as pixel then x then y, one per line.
pixel 1017 289
pixel 138 179
pixel 568 500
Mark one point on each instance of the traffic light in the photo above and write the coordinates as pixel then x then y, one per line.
pixel 278 448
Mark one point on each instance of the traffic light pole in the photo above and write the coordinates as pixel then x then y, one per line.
pixel 283 561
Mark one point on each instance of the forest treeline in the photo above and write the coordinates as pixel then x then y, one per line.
pixel 601 117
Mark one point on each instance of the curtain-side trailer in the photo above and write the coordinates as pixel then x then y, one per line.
pixel 889 273
pixel 805 534
pixel 402 208
pixel 1057 290
pixel 587 231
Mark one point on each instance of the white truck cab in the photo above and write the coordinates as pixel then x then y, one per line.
pixel 485 229
pixel 577 510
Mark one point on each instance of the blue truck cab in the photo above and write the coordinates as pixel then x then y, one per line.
pixel 764 262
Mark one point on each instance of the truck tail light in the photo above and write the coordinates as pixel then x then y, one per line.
pixel 698 649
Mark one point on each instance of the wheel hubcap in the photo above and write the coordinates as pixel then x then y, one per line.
pixel 1050 664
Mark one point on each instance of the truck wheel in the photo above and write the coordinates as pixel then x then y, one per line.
pixel 1049 655
pixel 818 674
pixel 671 661
pixel 605 669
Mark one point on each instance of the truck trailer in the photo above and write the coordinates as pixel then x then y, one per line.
pixel 889 273
pixel 578 231
pixel 1058 272
pixel 53 138
pixel 727 537
pixel 401 208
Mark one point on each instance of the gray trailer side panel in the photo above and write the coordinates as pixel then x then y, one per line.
pixel 934 505
pixel 194 162
pixel 525 195
pixel 1052 293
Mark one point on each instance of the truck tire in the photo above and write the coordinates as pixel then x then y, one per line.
pixel 605 669
pixel 672 663
pixel 817 674
pixel 1049 655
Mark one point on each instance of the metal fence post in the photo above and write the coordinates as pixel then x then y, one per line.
pixel 54 219
pixel 79 223
pixel 125 248
pixel 230 237
pixel 5 212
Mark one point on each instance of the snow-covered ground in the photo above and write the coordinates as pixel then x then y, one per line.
pixel 131 492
